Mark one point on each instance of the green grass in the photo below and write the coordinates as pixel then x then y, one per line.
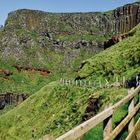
pixel 23 82
pixel 60 66
pixel 122 59
pixel 77 37
pixel 62 62
pixel 54 109
pixel 97 132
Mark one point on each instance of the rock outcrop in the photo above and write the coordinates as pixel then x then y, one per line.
pixel 41 71
pixel 120 20
pixel 5 74
pixel 33 36
pixel 93 107
pixel 134 81
pixel 116 38
pixel 11 98
pixel 127 17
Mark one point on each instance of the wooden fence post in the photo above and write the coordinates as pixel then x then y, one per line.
pixel 80 83
pixel 85 83
pixel 61 81
pixel 69 82
pixel 76 82
pixel 107 125
pixel 130 110
pixel 89 83
pixel 100 84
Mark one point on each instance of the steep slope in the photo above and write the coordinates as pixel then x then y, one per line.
pixel 56 41
pixel 54 110
pixel 122 59
pixel 57 108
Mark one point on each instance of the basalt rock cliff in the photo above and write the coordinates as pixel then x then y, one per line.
pixel 32 34
pixel 120 20
pixel 127 17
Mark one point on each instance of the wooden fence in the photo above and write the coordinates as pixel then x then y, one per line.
pixel 106 117
pixel 104 83
pixel 95 84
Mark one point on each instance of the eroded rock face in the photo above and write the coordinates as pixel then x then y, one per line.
pixel 127 17
pixel 33 34
pixel 92 108
pixel 41 71
pixel 120 20
pixel 11 98
pixel 116 38
pixel 134 81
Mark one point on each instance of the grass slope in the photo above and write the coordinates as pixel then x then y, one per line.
pixel 62 62
pixel 122 59
pixel 54 109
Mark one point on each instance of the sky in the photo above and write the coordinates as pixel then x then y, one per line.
pixel 7 6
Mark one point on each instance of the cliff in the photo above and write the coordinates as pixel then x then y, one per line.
pixel 60 41
pixel 120 60
pixel 120 20
pixel 29 28
pixel 127 17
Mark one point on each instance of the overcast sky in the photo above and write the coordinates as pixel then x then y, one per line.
pixel 7 6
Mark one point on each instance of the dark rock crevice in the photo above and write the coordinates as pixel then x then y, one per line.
pixel 134 81
pixel 92 108
pixel 10 98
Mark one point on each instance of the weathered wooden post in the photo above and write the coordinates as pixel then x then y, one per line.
pixel 76 82
pixel 70 82
pixel 61 80
pixel 107 125
pixel 130 110
pixel 89 83
pixel 100 84
pixel 65 82
pixel 85 83
pixel 117 79
pixel 73 82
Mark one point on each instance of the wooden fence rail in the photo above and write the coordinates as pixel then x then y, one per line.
pixel 106 117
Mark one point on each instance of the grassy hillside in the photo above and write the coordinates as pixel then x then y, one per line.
pixel 23 82
pixel 57 108
pixel 54 110
pixel 122 59
pixel 63 62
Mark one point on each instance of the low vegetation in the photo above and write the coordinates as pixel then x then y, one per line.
pixel 54 110
pixel 122 59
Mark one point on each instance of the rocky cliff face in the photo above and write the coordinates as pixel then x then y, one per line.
pixel 120 20
pixel 11 98
pixel 31 34
pixel 127 17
